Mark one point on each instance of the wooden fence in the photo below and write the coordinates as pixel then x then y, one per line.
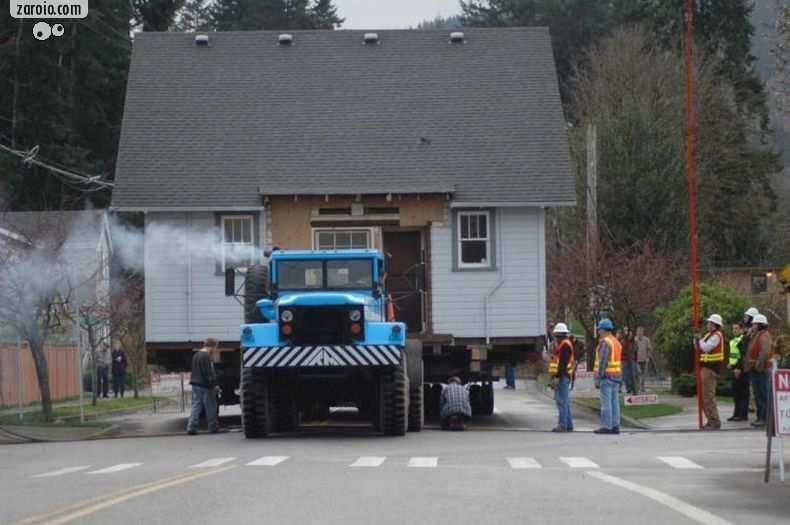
pixel 63 373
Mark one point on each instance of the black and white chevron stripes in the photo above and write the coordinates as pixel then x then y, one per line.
pixel 324 355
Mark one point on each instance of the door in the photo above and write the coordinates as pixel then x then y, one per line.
pixel 406 276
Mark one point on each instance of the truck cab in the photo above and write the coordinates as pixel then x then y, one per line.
pixel 318 335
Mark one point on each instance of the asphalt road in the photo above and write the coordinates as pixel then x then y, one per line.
pixel 349 475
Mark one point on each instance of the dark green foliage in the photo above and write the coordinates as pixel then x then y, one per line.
pixel 235 15
pixel 674 334
pixel 439 22
pixel 156 15
pixel 686 385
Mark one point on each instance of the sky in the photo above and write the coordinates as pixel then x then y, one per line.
pixel 393 14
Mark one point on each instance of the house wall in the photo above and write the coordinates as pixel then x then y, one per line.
pixel 518 306
pixel 184 294
pixel 291 218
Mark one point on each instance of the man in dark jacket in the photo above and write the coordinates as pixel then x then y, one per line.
pixel 118 371
pixel 204 388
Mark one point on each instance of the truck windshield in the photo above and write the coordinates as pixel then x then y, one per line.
pixel 343 274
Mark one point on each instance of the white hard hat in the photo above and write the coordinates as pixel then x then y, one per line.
pixel 760 319
pixel 715 318
pixel 752 312
pixel 560 328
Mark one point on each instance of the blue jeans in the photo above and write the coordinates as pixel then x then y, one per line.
pixel 610 403
pixel 562 397
pixel 510 376
pixel 760 387
pixel 203 399
pixel 628 376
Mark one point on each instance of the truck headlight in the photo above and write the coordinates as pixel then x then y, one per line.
pixel 355 315
pixel 286 316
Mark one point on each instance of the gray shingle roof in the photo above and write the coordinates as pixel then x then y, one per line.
pixel 218 126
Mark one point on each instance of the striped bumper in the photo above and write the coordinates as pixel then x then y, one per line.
pixel 316 356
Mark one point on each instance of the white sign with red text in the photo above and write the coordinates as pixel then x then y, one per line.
pixel 643 399
pixel 782 401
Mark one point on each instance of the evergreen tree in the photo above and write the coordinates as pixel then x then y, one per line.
pixel 156 15
pixel 324 15
pixel 194 16
pixel 234 15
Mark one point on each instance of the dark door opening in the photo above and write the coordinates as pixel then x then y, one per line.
pixel 406 276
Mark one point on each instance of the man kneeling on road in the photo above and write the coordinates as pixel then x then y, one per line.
pixel 455 406
pixel 561 370
pixel 204 388
pixel 608 377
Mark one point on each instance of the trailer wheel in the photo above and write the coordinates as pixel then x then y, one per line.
pixel 436 399
pixel 395 400
pixel 254 404
pixel 256 287
pixel 487 395
pixel 416 370
pixel 476 399
pixel 427 396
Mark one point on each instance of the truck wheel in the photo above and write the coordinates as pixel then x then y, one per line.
pixel 427 396
pixel 256 287
pixel 415 369
pixel 284 410
pixel 254 404
pixel 436 399
pixel 487 395
pixel 476 399
pixel 395 400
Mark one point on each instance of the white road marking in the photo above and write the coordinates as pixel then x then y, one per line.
pixel 369 461
pixel 267 461
pixel 67 470
pixel 423 462
pixel 115 468
pixel 213 463
pixel 690 511
pixel 679 462
pixel 521 463
pixel 579 462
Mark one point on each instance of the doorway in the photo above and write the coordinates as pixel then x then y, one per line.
pixel 406 276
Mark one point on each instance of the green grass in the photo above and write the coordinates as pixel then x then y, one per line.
pixel 71 412
pixel 639 411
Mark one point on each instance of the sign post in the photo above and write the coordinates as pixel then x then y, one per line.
pixel 780 401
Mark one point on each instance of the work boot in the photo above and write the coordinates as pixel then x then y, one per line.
pixel 758 423
pixel 712 426
pixel 603 430
pixel 559 428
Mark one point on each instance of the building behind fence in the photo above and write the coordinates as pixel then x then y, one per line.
pixel 63 373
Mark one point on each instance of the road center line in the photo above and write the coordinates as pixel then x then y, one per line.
pixel 688 510
pixel 90 506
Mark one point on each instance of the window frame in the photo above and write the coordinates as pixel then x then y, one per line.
pixel 459 263
pixel 368 232
pixel 220 220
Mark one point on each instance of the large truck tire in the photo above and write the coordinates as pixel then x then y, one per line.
pixel 284 409
pixel 436 399
pixel 395 400
pixel 254 404
pixel 476 399
pixel 256 287
pixel 427 396
pixel 415 370
pixel 487 401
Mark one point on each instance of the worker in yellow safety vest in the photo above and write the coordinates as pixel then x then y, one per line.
pixel 711 357
pixel 608 377
pixel 561 369
pixel 740 379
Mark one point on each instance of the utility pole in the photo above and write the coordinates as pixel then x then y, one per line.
pixel 692 191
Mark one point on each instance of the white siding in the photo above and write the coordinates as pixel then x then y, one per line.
pixel 518 307
pixel 185 298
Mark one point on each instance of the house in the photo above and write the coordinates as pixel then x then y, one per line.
pixel 444 150
pixel 65 252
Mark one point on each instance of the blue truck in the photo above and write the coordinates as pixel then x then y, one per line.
pixel 317 334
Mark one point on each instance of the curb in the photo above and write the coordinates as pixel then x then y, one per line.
pixel 629 421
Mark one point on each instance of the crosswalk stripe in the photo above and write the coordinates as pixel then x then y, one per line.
pixel 521 463
pixel 575 462
pixel 423 462
pixel 67 470
pixel 115 468
pixel 215 462
pixel 267 461
pixel 679 462
pixel 369 461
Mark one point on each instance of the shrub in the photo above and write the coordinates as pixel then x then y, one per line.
pixel 685 385
pixel 673 335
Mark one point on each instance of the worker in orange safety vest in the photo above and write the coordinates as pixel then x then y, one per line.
pixel 561 369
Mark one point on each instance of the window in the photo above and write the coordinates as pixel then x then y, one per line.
pixel 353 274
pixel 300 275
pixel 356 274
pixel 341 239
pixel 238 245
pixel 474 240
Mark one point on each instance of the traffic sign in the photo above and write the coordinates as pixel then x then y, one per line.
pixel 782 402
pixel 643 399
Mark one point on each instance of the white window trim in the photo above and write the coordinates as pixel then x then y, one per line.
pixel 370 232
pixel 462 265
pixel 222 243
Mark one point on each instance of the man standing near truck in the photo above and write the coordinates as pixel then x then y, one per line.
pixel 204 388
pixel 561 370
pixel 608 377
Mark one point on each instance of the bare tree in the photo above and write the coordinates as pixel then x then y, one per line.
pixel 128 322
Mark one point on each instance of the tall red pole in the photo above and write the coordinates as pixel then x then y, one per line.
pixel 692 191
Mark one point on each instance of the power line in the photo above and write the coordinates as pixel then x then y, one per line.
pixel 29 157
